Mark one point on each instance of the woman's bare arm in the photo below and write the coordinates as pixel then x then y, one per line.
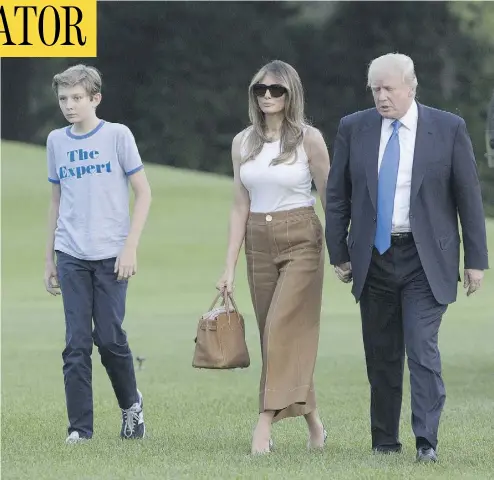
pixel 318 154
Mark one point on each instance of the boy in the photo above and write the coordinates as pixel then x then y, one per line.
pixel 89 165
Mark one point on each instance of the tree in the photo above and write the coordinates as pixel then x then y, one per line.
pixel 476 19
pixel 17 123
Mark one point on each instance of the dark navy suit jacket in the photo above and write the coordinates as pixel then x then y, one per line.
pixel 445 186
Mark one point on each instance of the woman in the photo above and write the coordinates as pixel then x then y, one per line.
pixel 274 162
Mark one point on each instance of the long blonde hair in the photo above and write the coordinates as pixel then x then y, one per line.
pixel 293 122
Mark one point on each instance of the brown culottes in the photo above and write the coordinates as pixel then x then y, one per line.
pixel 285 265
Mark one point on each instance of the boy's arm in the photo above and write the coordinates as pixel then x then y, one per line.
pixel 126 264
pixel 50 277
pixel 142 193
pixel 130 160
pixel 53 211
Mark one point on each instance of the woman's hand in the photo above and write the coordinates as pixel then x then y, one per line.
pixel 226 281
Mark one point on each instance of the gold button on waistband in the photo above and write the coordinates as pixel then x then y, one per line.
pixel 269 218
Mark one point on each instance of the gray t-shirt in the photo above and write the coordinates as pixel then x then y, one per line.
pixel 92 171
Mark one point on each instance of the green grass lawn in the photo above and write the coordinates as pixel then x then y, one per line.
pixel 199 423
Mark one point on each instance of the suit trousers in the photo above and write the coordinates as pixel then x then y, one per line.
pixel 399 313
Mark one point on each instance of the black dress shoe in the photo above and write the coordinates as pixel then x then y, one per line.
pixel 387 449
pixel 426 454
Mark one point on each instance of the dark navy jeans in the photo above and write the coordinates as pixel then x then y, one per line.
pixel 91 292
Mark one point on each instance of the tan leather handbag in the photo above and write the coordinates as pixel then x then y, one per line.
pixel 220 341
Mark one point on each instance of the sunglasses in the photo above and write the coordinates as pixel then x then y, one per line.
pixel 276 91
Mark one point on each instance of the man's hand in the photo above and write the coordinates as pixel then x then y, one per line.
pixel 126 264
pixel 473 280
pixel 344 272
pixel 51 279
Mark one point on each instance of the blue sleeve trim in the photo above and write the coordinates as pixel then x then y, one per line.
pixel 52 180
pixel 135 170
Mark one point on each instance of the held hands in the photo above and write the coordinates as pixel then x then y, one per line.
pixel 126 264
pixel 226 282
pixel 51 279
pixel 344 272
pixel 472 280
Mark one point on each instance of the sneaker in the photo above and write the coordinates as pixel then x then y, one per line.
pixel 74 438
pixel 133 420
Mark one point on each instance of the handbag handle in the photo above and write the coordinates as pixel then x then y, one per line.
pixel 226 296
pixel 215 300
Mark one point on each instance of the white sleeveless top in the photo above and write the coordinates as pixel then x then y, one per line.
pixel 274 188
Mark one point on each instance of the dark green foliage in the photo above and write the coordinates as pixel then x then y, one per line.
pixel 177 73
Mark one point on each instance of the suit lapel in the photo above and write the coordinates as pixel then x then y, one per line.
pixel 424 145
pixel 371 137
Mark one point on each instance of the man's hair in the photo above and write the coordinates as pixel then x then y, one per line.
pixel 393 62
pixel 88 77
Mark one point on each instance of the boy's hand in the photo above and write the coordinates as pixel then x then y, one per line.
pixel 126 264
pixel 51 279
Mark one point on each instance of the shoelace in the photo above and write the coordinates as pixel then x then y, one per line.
pixel 131 417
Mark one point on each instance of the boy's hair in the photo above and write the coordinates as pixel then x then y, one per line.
pixel 88 77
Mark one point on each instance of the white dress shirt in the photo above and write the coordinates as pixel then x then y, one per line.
pixel 407 133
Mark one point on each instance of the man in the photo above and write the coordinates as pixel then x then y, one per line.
pixel 401 174
pixel 90 165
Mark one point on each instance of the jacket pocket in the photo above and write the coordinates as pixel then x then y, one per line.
pixel 448 241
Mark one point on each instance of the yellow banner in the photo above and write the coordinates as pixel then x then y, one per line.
pixel 54 28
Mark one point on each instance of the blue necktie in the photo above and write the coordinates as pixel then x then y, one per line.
pixel 386 187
